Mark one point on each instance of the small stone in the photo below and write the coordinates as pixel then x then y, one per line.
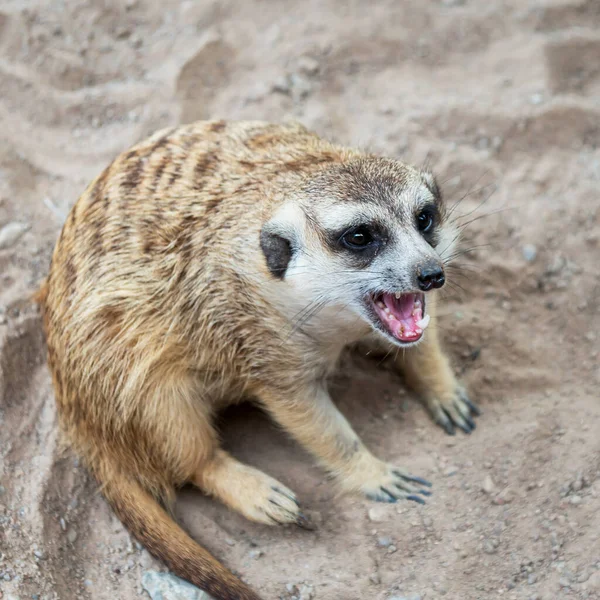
pixel 281 85
pixel 72 536
pixel 374 578
pixel 451 470
pixel 490 546
pixel 308 65
pixel 384 542
pixel 39 554
pixel 392 549
pixel 536 99
pixel 164 586
pixel 506 496
pixel 306 592
pixel 291 588
pixel 564 582
pixel 255 554
pixel 378 514
pixel 531 578
pixel 529 252
pixel 63 524
pixel 123 33
pixel 11 233
pixel 488 485
pixel 575 500
pixel 593 583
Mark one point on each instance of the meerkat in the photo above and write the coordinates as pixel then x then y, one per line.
pixel 220 261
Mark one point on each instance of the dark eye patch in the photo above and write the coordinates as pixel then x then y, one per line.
pixel 360 242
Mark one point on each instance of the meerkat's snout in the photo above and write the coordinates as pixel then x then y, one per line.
pixel 430 276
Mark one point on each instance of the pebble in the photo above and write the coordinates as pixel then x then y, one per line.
pixel 392 549
pixel 488 485
pixel 281 85
pixel 536 99
pixel 255 554
pixel 575 500
pixel 491 546
pixel 378 514
pixel 593 583
pixel 164 586
pixel 506 496
pixel 451 470
pixel 308 65
pixel 10 234
pixel 564 582
pixel 39 554
pixel 529 252
pixel 384 541
pixel 72 536
pixel 307 592
pixel 374 578
pixel 531 578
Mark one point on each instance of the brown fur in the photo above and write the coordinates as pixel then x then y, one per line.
pixel 156 316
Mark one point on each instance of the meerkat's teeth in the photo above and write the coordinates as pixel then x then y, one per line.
pixel 398 294
pixel 423 322
pixel 380 304
pixel 387 311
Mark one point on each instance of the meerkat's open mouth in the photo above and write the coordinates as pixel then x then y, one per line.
pixel 402 315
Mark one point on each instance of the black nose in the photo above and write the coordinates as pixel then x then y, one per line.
pixel 430 277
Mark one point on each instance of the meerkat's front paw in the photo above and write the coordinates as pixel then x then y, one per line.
pixel 383 482
pixel 453 410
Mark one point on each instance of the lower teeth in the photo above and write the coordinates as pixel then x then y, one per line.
pixel 422 324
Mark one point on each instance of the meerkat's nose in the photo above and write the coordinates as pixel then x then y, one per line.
pixel 430 276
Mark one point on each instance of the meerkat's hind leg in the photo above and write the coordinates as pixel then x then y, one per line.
pixel 249 491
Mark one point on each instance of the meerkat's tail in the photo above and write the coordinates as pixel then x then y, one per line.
pixel 145 518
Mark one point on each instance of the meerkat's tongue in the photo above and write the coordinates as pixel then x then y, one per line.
pixel 402 315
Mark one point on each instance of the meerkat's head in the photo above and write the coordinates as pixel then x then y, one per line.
pixel 367 240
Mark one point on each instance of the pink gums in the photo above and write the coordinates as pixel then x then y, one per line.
pixel 401 316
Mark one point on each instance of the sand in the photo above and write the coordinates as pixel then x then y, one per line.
pixel 502 99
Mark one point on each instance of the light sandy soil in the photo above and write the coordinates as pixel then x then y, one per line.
pixel 503 99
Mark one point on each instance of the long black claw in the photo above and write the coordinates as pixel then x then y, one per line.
pixel 474 408
pixel 279 491
pixel 388 493
pixel 465 428
pixel 425 492
pixel 471 423
pixel 414 479
pixel 416 499
pixel 305 523
pixel 447 425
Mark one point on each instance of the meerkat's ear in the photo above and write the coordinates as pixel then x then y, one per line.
pixel 278 238
pixel 432 184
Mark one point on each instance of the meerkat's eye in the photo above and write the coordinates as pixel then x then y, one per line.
pixel 425 220
pixel 357 238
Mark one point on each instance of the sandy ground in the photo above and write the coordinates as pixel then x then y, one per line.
pixel 503 99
